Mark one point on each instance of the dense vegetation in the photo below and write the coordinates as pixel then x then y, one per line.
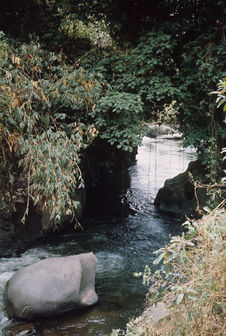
pixel 72 71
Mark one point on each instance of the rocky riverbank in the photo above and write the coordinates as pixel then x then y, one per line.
pixel 102 167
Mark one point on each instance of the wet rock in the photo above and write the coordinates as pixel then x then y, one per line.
pixel 6 244
pixel 16 236
pixel 163 131
pixel 51 287
pixel 6 221
pixel 106 177
pixel 177 198
pixel 158 312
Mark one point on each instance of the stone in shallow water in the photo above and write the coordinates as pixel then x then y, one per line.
pixel 177 198
pixel 51 287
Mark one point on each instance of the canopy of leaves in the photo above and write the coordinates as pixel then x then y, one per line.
pixel 49 112
pixel 126 61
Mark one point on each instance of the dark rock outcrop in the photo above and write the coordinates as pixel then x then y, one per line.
pixel 106 177
pixel 16 236
pixel 177 198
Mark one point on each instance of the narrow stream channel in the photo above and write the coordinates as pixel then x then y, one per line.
pixel 122 244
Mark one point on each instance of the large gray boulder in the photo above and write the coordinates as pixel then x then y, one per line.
pixel 51 287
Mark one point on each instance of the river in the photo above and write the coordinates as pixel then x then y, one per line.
pixel 123 244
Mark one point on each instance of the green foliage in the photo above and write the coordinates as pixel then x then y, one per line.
pixel 126 61
pixel 221 95
pixel 96 32
pixel 161 52
pixel 201 68
pixel 51 161
pixel 167 67
pixel 214 159
pixel 145 70
pixel 221 99
pixel 49 112
pixel 169 115
pixel 151 64
pixel 38 92
pixel 118 117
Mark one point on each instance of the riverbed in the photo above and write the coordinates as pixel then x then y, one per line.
pixel 122 241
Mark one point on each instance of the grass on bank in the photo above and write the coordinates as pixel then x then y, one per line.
pixel 191 282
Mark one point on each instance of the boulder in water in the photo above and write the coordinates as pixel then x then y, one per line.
pixel 162 131
pixel 51 287
pixel 177 198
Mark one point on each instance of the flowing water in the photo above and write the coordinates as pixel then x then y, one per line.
pixel 122 244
